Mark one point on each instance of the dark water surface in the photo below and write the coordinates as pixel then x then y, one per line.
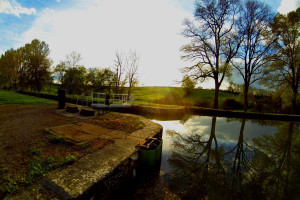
pixel 223 158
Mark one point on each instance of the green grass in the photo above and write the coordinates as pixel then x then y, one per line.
pixel 37 167
pixel 175 96
pixel 8 97
pixel 164 96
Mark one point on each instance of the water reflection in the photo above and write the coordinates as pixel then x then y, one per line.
pixel 264 167
pixel 278 163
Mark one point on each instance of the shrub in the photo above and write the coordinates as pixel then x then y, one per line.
pixel 231 104
pixel 84 145
pixel 188 85
pixel 57 139
pixel 205 103
pixel 34 151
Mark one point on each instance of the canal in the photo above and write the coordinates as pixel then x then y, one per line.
pixel 222 158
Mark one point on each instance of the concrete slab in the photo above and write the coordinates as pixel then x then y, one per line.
pixel 81 132
pixel 72 132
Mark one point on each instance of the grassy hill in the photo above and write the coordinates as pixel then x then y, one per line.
pixel 176 96
pixel 167 96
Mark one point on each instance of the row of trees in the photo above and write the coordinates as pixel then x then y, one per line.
pixel 77 79
pixel 245 36
pixel 26 67
pixel 29 67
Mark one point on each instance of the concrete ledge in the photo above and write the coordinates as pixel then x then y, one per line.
pixel 96 174
pixel 77 181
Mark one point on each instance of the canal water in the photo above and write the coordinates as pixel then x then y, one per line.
pixel 222 158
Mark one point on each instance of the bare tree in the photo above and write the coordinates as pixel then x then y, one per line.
pixel 256 45
pixel 132 70
pixel 60 70
pixel 120 78
pixel 214 42
pixel 73 59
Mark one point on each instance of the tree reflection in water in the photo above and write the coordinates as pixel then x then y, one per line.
pixel 268 168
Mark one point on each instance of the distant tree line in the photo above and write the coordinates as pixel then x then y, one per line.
pixel 247 37
pixel 29 68
pixel 26 67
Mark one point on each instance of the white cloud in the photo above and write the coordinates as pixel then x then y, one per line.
pixel 13 7
pixel 287 6
pixel 96 29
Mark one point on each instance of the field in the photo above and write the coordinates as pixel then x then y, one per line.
pixel 165 96
pixel 176 96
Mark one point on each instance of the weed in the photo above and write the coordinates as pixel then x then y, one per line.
pixel 140 124
pixel 39 166
pixel 84 145
pixel 11 185
pixel 69 159
pixel 34 151
pixel 57 139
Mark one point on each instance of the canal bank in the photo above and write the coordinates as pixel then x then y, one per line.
pixel 173 113
pixel 163 113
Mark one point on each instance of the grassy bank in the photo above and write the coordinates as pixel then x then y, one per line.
pixel 176 96
pixel 8 97
pixel 167 96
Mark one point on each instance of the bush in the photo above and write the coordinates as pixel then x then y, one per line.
pixel 34 151
pixel 205 103
pixel 231 104
pixel 188 85
pixel 57 139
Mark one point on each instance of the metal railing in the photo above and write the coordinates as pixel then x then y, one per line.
pixel 104 98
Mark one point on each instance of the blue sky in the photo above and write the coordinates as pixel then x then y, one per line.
pixel 97 28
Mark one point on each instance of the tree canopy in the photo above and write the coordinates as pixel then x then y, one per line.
pixel 284 71
pixel 256 42
pixel 26 67
pixel 35 64
pixel 213 41
pixel 10 62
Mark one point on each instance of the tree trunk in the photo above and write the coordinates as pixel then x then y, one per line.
pixel 216 100
pixel 246 90
pixel 128 94
pixel 294 102
pixel 287 179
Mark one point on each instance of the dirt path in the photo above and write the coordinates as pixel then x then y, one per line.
pixel 23 137
pixel 22 128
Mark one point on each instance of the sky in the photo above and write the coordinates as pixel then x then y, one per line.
pixel 98 28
